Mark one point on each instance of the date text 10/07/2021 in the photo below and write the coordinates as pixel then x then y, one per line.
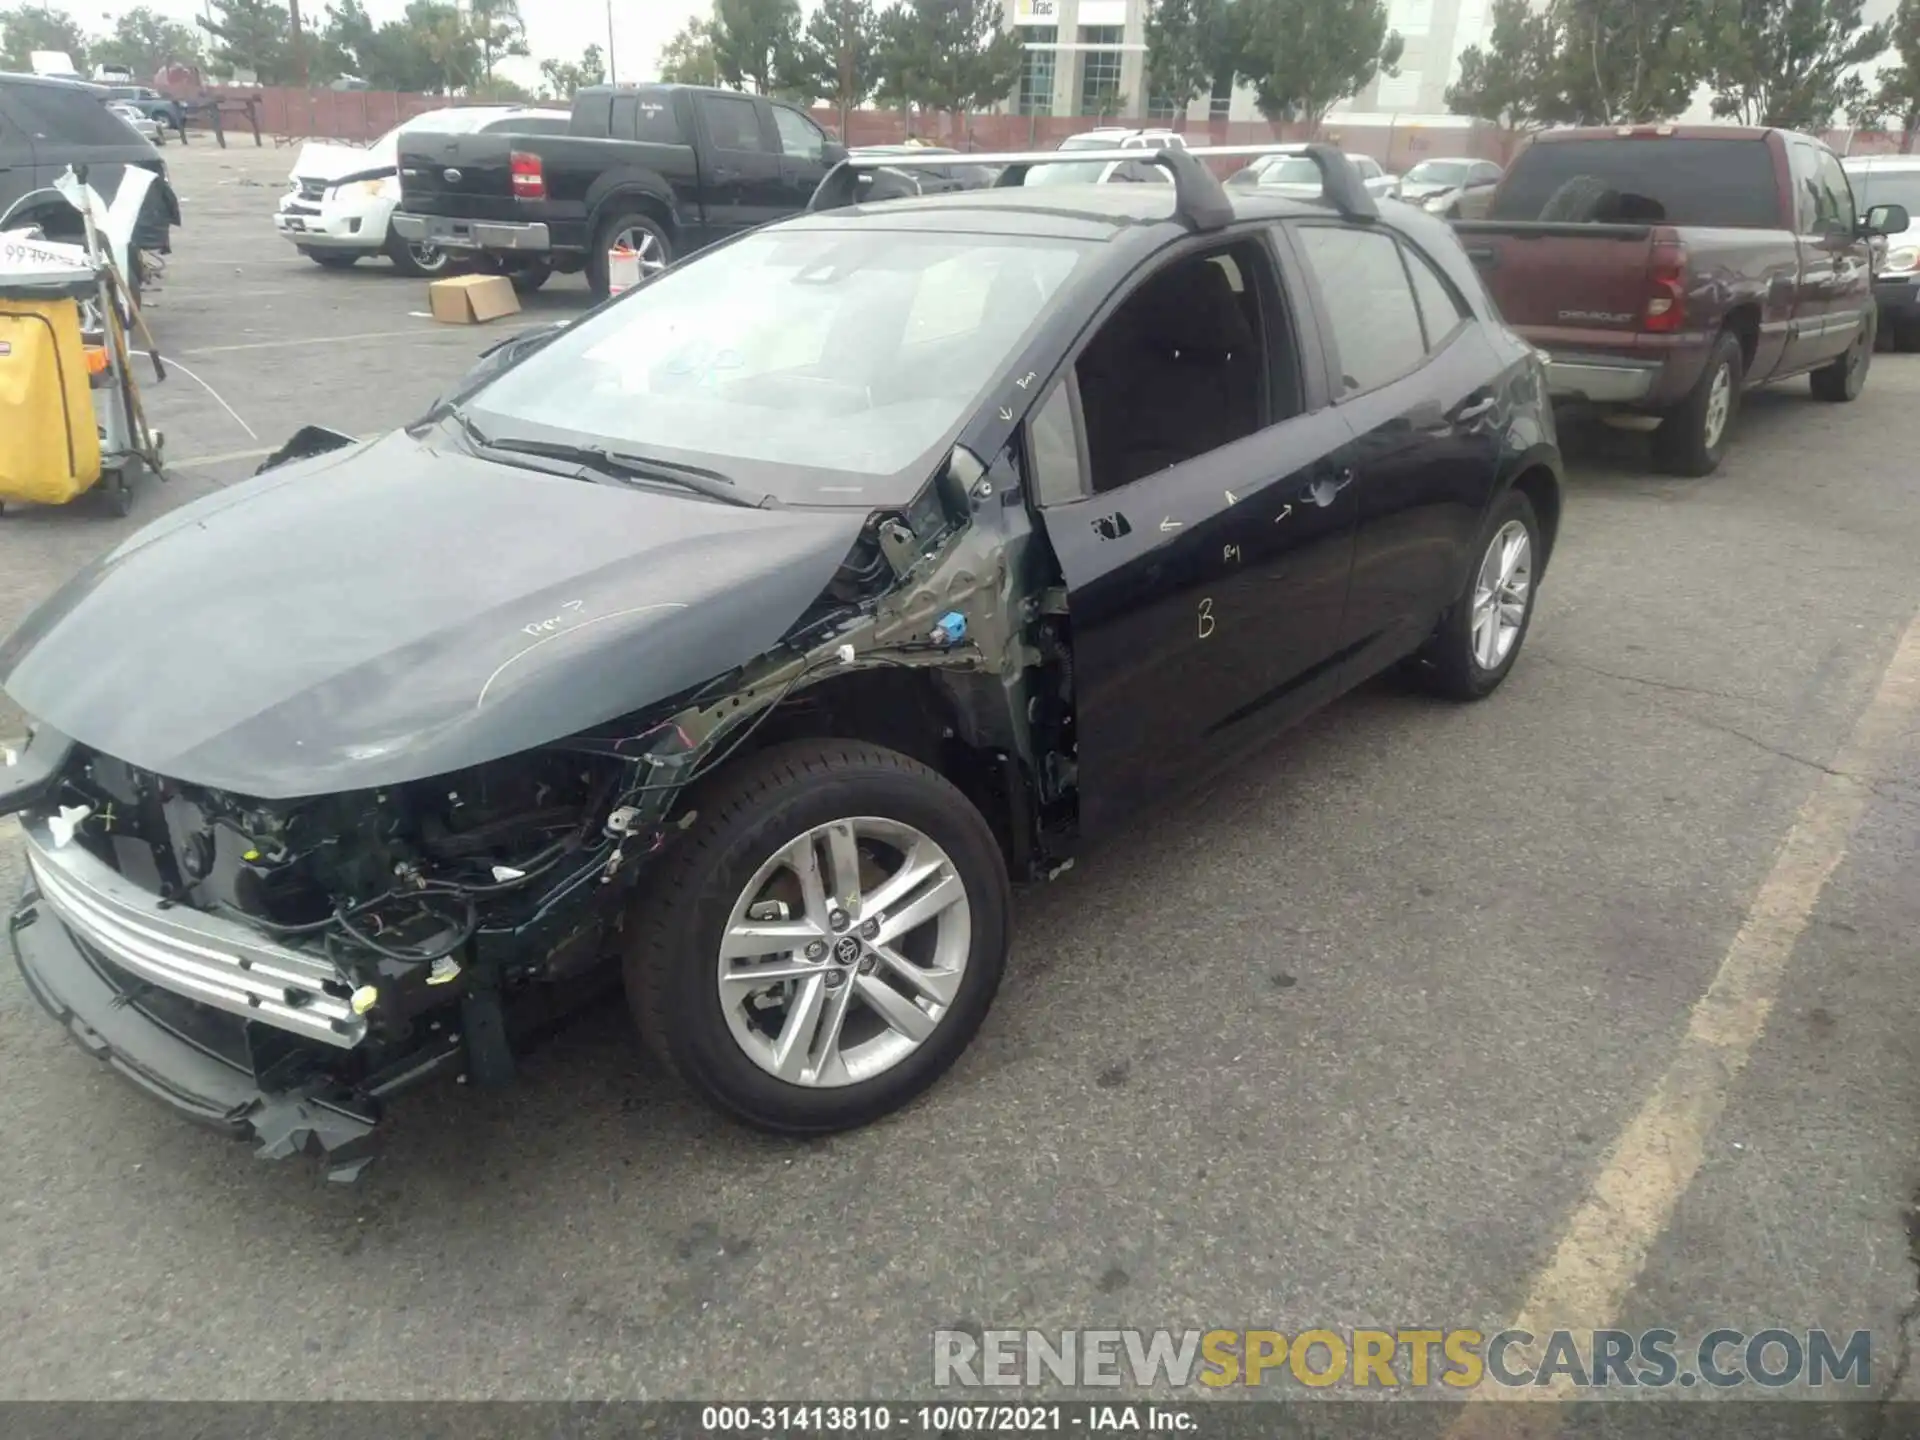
pixel 868 1419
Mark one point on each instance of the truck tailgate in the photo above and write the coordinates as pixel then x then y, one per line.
pixel 469 176
pixel 1553 275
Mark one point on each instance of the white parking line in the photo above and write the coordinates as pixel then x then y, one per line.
pixel 1632 1200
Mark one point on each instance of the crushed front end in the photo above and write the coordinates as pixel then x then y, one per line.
pixel 280 971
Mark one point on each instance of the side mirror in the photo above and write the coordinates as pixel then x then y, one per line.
pixel 1885 220
pixel 833 152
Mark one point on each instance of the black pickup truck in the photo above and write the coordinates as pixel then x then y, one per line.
pixel 664 169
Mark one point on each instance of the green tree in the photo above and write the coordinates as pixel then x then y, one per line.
pixel 1626 61
pixel 1895 97
pixel 689 58
pixel 499 28
pixel 946 55
pixel 1303 56
pixel 250 35
pixel 345 44
pixel 449 44
pixel 1192 44
pixel 1512 80
pixel 756 42
pixel 836 55
pixel 1789 63
pixel 563 79
pixel 144 41
pixel 40 27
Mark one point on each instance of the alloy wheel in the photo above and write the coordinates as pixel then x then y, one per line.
pixel 1719 405
pixel 844 952
pixel 653 256
pixel 1501 593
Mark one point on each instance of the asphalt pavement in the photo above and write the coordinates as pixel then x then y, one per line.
pixel 1355 1038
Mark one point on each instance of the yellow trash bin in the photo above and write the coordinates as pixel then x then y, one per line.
pixel 49 440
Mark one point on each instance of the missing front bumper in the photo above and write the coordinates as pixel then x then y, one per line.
pixel 179 1061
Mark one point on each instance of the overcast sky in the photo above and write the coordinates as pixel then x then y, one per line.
pixel 556 29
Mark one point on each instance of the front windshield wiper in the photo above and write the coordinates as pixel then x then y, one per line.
pixel 640 468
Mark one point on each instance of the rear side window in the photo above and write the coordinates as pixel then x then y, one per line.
pixel 657 124
pixel 733 123
pixel 1369 303
pixel 1643 181
pixel 66 117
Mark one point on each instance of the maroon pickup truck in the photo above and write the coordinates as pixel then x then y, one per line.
pixel 1665 269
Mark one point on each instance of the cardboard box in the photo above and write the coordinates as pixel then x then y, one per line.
pixel 472 299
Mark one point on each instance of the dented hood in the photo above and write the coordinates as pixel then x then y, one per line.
pixel 324 162
pixel 390 612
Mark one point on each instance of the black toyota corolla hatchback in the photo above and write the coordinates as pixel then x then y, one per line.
pixel 743 639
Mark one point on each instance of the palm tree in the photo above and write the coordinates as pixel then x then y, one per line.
pixel 500 29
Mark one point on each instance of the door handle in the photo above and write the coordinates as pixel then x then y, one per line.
pixel 1475 410
pixel 1326 489
pixel 723 174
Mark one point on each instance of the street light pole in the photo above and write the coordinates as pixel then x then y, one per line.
pixel 613 66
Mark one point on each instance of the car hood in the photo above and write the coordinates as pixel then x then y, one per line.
pixel 391 611
pixel 320 161
pixel 1424 189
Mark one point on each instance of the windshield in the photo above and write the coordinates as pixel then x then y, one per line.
pixel 1087 174
pixel 1291 170
pixel 1437 172
pixel 1887 187
pixel 820 366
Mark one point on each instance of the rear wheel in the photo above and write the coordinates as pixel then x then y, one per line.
pixel 825 941
pixel 1846 377
pixel 1480 638
pixel 639 232
pixel 1693 437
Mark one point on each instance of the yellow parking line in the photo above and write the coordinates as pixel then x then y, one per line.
pixel 1632 1200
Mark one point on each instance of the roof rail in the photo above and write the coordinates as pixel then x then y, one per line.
pixel 1340 181
pixel 1199 199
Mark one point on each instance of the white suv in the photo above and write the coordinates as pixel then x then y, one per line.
pixel 1892 180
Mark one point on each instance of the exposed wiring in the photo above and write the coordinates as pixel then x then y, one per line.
pixel 468 928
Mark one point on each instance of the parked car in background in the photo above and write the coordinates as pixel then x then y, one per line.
pixel 1669 268
pixel 661 169
pixel 1104 172
pixel 1893 180
pixel 143 126
pixel 48 125
pixel 163 110
pixel 920 179
pixel 340 208
pixel 1293 173
pixel 802 600
pixel 1458 188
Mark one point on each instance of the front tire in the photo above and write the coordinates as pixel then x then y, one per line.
pixel 1480 638
pixel 418 262
pixel 1844 379
pixel 826 939
pixel 1693 437
pixel 528 278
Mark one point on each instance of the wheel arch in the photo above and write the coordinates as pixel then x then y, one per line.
pixel 917 712
pixel 1743 323
pixel 614 192
pixel 1539 480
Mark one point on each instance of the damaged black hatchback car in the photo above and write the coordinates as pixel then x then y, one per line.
pixel 753 632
